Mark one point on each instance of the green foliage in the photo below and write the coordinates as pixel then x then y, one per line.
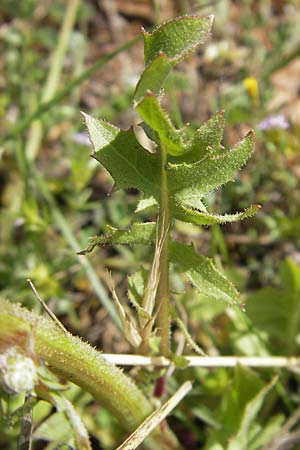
pixel 34 237
pixel 238 413
pixel 193 166
pixel 276 311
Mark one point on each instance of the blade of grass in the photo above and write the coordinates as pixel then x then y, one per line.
pixel 25 158
pixel 28 170
pixel 47 105
pixel 74 244
pixel 56 65
pixel 152 421
pixel 281 61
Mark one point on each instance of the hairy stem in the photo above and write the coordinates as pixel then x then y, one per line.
pixel 75 360
pixel 163 303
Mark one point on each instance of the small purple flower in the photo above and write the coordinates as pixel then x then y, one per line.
pixel 270 122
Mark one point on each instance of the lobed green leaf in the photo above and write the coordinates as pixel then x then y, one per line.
pixel 130 165
pixel 204 141
pixel 186 181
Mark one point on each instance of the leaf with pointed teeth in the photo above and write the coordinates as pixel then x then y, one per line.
pixel 204 141
pixel 139 234
pixel 200 178
pixel 202 273
pixel 130 165
pixel 204 218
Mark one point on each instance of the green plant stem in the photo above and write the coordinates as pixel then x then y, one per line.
pixel 163 302
pixel 56 65
pixel 47 105
pixel 74 360
pixel 68 356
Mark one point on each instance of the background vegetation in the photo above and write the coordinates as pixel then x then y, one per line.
pixel 53 196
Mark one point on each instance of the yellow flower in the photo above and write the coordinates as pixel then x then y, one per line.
pixel 251 86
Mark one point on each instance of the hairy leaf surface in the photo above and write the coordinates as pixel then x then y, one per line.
pixel 177 38
pixel 200 178
pixel 151 112
pixel 186 166
pixel 164 48
pixel 124 158
pixel 202 273
pixel 139 234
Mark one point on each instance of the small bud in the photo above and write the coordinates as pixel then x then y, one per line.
pixel 17 372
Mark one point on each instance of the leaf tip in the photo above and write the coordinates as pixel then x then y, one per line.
pixel 144 32
pixel 250 135
pixel 256 208
pixel 211 18
pixel 84 115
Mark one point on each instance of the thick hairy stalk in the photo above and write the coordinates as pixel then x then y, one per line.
pixel 77 361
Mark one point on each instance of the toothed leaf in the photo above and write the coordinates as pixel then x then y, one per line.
pixel 206 139
pixel 124 158
pixel 204 218
pixel 202 273
pixel 200 178
pixel 138 234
